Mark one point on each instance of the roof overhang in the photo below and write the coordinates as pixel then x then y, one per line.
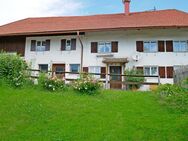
pixel 83 31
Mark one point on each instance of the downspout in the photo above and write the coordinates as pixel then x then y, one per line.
pixel 82 51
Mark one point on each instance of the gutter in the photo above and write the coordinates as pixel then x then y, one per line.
pixel 82 51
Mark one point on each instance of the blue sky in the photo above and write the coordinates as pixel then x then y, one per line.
pixel 12 10
pixel 115 6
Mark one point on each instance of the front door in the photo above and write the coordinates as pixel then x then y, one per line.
pixel 58 70
pixel 115 80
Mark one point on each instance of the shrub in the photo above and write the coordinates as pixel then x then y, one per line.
pixel 173 96
pixel 185 83
pixel 136 80
pixel 87 84
pixel 12 69
pixel 169 89
pixel 51 84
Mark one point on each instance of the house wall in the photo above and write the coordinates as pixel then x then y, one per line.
pixel 127 49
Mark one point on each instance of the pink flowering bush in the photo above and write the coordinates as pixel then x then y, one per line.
pixel 51 84
pixel 87 84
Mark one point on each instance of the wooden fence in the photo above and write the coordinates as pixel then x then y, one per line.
pixel 180 75
pixel 34 74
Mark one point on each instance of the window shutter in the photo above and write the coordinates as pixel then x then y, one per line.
pixel 162 72
pixel 170 72
pixel 103 71
pixel 140 69
pixel 169 46
pixel 33 45
pixel 140 46
pixel 115 46
pixel 47 45
pixel 73 44
pixel 63 44
pixel 94 47
pixel 161 47
pixel 85 69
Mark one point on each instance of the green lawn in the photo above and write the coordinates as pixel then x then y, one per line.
pixel 35 115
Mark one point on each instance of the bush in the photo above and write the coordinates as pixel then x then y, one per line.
pixel 87 84
pixel 136 80
pixel 169 89
pixel 51 84
pixel 12 69
pixel 173 96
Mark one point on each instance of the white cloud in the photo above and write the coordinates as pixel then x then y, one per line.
pixel 11 10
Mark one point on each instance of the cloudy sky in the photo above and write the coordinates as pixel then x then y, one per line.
pixel 11 10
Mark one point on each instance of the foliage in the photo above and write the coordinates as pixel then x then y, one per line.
pixel 169 89
pixel 87 84
pixel 185 83
pixel 12 69
pixel 51 84
pixel 136 80
pixel 173 96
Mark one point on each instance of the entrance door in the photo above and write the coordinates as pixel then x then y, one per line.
pixel 58 70
pixel 115 81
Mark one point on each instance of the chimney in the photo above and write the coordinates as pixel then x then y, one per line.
pixel 127 6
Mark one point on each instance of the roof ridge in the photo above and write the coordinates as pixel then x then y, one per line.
pixel 94 15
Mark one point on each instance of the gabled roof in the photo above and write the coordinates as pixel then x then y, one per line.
pixel 47 25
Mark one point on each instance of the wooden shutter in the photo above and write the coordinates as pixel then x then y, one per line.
pixel 85 69
pixel 73 44
pixel 161 46
pixel 94 47
pixel 103 71
pixel 33 45
pixel 47 45
pixel 115 46
pixel 140 46
pixel 140 69
pixel 170 72
pixel 162 72
pixel 169 46
pixel 63 44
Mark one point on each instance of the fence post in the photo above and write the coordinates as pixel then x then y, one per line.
pixel 159 80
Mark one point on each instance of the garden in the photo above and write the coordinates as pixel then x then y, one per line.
pixel 83 111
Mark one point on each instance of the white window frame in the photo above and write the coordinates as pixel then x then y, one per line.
pixel 41 47
pixel 180 46
pixel 104 47
pixel 78 67
pixel 150 46
pixel 68 47
pixel 95 69
pixel 150 70
pixel 43 65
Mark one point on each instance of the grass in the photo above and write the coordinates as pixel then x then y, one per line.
pixel 31 114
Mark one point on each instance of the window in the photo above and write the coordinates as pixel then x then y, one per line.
pixel 104 47
pixel 150 46
pixel 95 69
pixel 41 46
pixel 43 67
pixel 74 68
pixel 151 70
pixel 180 46
pixel 68 45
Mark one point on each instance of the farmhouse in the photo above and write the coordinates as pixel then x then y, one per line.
pixel 153 41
